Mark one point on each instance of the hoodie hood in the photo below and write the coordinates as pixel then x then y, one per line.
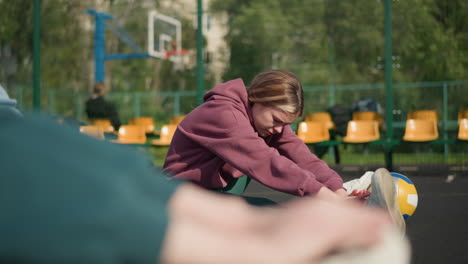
pixel 5 100
pixel 233 90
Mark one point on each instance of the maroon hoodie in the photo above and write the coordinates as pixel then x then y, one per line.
pixel 217 141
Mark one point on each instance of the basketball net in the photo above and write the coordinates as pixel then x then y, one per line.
pixel 178 57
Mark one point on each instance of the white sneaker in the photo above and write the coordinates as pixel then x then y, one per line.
pixel 384 195
pixel 359 184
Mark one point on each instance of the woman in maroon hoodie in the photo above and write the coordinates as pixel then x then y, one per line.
pixel 241 130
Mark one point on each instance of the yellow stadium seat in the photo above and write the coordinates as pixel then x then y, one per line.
pixel 131 134
pixel 323 117
pixel 420 130
pixel 313 132
pixel 104 123
pixel 369 115
pixel 144 121
pixel 362 131
pixel 463 129
pixel 423 114
pixel 365 115
pixel 94 131
pixel 462 114
pixel 176 119
pixel 167 132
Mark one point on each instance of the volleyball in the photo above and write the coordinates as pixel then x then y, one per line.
pixel 406 194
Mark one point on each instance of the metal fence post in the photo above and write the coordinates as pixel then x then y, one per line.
pixel 445 116
pixel 52 101
pixel 37 56
pixel 200 77
pixel 137 104
pixel 388 84
pixel 19 96
pixel 176 104
pixel 79 107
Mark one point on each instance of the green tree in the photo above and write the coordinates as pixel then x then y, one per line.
pixel 356 31
pixel 16 33
pixel 427 50
pixel 274 34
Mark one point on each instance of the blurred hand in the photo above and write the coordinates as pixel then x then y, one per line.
pixel 310 229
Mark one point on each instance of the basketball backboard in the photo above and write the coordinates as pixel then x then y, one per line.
pixel 164 34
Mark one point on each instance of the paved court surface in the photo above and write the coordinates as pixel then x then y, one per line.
pixel 438 230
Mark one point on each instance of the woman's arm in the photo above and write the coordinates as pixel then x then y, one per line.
pixel 289 145
pixel 230 136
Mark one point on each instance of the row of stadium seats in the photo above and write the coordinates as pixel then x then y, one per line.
pixel 138 130
pixel 421 126
pixel 327 118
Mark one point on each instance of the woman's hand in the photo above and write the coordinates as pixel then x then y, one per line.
pixel 328 195
pixel 341 192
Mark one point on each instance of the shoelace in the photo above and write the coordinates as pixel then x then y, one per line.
pixel 360 195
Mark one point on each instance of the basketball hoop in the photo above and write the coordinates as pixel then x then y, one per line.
pixel 178 57
pixel 170 53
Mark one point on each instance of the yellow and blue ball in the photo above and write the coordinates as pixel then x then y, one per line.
pixel 407 194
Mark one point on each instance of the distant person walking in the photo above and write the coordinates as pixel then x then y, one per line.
pixel 97 107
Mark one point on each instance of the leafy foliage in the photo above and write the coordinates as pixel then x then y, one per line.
pixel 325 42
pixel 339 42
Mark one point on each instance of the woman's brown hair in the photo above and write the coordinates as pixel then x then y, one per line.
pixel 276 88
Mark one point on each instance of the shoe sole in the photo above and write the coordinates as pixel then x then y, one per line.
pixel 383 184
